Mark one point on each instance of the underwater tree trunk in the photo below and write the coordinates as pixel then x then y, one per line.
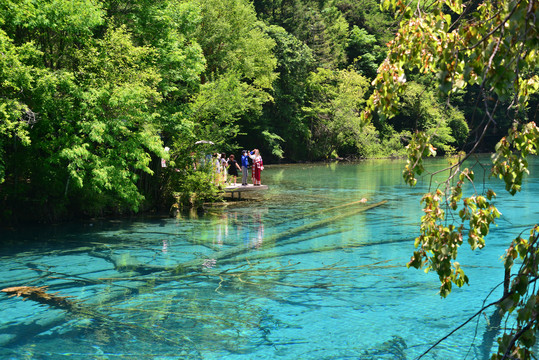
pixel 196 264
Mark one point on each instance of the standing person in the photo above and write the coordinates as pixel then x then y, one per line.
pixel 233 168
pixel 244 167
pixel 224 165
pixel 258 166
pixel 217 168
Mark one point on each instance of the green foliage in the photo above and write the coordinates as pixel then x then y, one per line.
pixel 522 297
pixel 234 41
pixel 239 74
pixel 71 18
pixel 170 28
pixel 274 143
pixel 439 244
pixel 319 24
pixel 56 27
pixel 219 104
pixel 462 53
pixel 372 143
pixel 492 45
pixel 364 51
pixel 336 35
pixel 366 14
pixel 368 143
pixel 117 121
pixel 421 111
pixel 417 149
pixel 282 116
pixel 15 116
pixel 333 110
pixel 458 126
pixel 92 92
pixel 510 159
pixel 190 183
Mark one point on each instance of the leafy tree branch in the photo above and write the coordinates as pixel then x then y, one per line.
pixel 483 48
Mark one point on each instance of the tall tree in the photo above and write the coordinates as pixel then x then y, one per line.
pixel 333 109
pixel 318 24
pixel 421 110
pixel 16 116
pixel 364 52
pixel 240 68
pixel 367 15
pixel 117 132
pixel 283 115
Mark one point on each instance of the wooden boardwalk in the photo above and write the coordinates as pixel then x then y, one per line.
pixel 238 189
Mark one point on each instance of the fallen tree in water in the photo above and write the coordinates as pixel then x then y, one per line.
pixel 81 310
pixel 196 264
pixel 130 267
pixel 38 294
pixel 126 262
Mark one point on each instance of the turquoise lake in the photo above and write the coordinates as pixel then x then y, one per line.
pixel 303 270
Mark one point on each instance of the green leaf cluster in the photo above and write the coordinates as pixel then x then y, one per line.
pixel 92 93
pixel 521 299
pixel 512 151
pixel 336 99
pixel 490 47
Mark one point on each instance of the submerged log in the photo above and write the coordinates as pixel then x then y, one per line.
pixel 77 308
pixel 128 262
pixel 197 264
pixel 295 252
pixel 304 215
pixel 317 224
pixel 38 294
pixel 393 349
pixel 41 296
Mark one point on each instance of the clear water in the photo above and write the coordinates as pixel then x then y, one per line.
pixel 289 274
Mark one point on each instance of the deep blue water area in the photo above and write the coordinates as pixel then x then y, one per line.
pixel 304 270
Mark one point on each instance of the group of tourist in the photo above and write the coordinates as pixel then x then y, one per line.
pixel 228 168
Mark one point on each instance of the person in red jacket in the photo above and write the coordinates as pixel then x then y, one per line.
pixel 258 166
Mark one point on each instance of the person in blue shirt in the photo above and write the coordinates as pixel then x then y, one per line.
pixel 244 167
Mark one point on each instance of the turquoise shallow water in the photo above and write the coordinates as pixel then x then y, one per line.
pixel 289 274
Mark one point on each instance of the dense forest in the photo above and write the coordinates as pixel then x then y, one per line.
pixel 95 92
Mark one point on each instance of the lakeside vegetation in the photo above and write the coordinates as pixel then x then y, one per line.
pixel 94 90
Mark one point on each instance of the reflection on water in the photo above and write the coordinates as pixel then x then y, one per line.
pixel 304 270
